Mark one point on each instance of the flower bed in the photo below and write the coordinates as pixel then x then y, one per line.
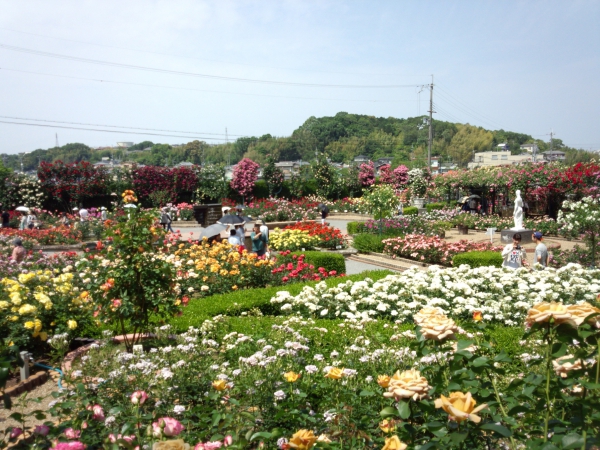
pixel 52 236
pixel 432 249
pixel 329 237
pixel 499 294
pixel 292 239
pixel 280 210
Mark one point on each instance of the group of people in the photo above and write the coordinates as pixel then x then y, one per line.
pixel 515 256
pixel 259 238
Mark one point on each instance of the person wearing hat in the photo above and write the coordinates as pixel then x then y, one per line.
pixel 541 251
pixel 19 252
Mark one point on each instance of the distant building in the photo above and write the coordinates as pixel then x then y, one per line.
pixel 530 148
pixel 502 147
pixel 124 144
pixel 184 164
pixel 554 155
pixel 361 159
pixel 290 167
pixel 501 158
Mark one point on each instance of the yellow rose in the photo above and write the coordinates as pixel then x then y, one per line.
pixel 581 311
pixel 44 336
pixel 387 425
pixel 406 385
pixel 335 373
pixel 29 325
pixel 394 443
pixel 219 385
pixel 543 312
pixel 71 324
pixel 4 304
pixel 291 377
pixel 177 444
pixel 460 407
pixel 383 381
pixel 27 309
pixel 324 438
pixel 303 440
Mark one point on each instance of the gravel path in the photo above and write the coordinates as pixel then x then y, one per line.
pixel 37 399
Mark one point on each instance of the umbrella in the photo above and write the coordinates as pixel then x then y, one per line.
pixel 323 207
pixel 474 196
pixel 240 207
pixel 212 230
pixel 129 205
pixel 247 218
pixel 22 209
pixel 230 219
pixel 464 199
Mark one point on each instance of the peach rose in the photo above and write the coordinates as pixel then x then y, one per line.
pixel 562 367
pixel 425 314
pixel 176 444
pixel 543 312
pixel 406 385
pixel 581 311
pixel 438 328
pixel 460 407
pixel 383 381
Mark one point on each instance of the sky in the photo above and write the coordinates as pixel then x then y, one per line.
pixel 177 70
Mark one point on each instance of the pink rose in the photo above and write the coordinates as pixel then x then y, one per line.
pixel 16 432
pixel 74 445
pixel 98 413
pixel 167 426
pixel 41 430
pixel 213 445
pixel 138 397
pixel 70 433
pixel 199 446
pixel 228 440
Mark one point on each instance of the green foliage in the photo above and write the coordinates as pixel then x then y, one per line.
pixel 381 201
pixel 434 206
pixel 238 302
pixel 353 227
pixel 261 189
pixel 212 183
pixel 410 211
pixel 478 259
pixel 327 260
pixel 366 242
pixel 160 198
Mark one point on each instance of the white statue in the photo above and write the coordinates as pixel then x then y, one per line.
pixel 518 212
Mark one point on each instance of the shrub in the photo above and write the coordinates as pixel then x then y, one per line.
pixel 291 239
pixel 353 227
pixel 433 206
pixel 410 211
pixel 366 242
pixel 478 259
pixel 329 261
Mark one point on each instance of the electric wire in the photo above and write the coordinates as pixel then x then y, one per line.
pixel 193 57
pixel 195 74
pixel 107 131
pixel 200 90
pixel 117 126
pixel 463 111
pixel 465 108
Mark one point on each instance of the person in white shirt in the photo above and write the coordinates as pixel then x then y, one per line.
pixel 233 238
pixel 103 213
pixel 83 214
pixel 240 232
pixel 513 254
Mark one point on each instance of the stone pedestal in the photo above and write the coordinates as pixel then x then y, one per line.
pixel 507 235
pixel 207 215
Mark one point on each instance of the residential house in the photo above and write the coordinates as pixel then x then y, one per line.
pixel 554 155
pixel 501 158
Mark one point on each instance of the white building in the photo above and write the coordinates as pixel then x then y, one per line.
pixel 530 148
pixel 124 144
pixel 502 158
pixel 554 155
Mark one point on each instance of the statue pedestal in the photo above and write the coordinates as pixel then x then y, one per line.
pixel 507 235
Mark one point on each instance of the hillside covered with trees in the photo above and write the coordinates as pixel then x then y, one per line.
pixel 341 137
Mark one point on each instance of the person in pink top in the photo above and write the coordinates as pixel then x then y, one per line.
pixel 19 252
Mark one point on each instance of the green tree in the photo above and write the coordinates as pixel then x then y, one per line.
pixel 466 141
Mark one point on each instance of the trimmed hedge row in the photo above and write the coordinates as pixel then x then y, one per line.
pixel 478 259
pixel 410 211
pixel 328 260
pixel 237 302
pixel 366 242
pixel 433 206
pixel 352 227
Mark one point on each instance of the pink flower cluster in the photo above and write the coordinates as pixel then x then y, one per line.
pixel 366 174
pixel 244 176
pixel 432 249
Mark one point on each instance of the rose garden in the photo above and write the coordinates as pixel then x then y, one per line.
pixel 164 342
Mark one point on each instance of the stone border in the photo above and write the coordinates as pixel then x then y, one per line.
pixel 402 260
pixel 29 384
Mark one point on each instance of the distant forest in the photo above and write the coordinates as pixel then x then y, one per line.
pixel 341 137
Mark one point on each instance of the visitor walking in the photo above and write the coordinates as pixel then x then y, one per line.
pixel 83 214
pixel 23 223
pixel 240 232
pixel 258 241
pixel 541 251
pixel 19 252
pixel 5 219
pixel 31 220
pixel 514 254
pixel 233 238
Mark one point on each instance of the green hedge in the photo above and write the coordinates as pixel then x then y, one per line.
pixel 410 211
pixel 478 259
pixel 238 302
pixel 327 260
pixel 366 242
pixel 433 206
pixel 353 227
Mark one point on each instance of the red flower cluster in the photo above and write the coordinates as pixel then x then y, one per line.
pixel 149 179
pixel 330 237
pixel 53 236
pixel 72 182
pixel 297 270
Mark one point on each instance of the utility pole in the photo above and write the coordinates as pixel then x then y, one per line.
pixel 430 140
pixel 227 145
pixel 56 144
pixel 551 140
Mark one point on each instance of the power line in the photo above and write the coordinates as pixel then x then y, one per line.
pixel 106 131
pixel 466 112
pixel 448 94
pixel 200 90
pixel 116 126
pixel 192 57
pixel 194 74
